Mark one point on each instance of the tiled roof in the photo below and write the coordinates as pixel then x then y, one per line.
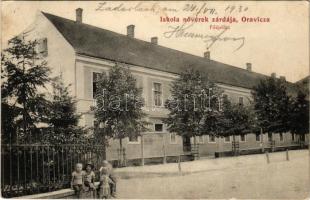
pixel 100 43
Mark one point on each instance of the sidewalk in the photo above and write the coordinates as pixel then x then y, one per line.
pixel 214 163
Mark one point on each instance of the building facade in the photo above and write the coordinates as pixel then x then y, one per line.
pixel 80 51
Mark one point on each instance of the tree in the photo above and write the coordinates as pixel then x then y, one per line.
pixel 194 105
pixel 118 112
pixel 24 72
pixel 299 115
pixel 236 119
pixel 272 105
pixel 63 119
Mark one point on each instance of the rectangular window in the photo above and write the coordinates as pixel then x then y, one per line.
pixel 173 138
pixel 257 137
pixel 293 137
pixel 157 94
pixel 200 139
pixel 222 100
pixel 96 77
pixel 241 101
pixel 269 137
pixel 211 138
pixel 159 128
pixel 227 139
pixel 133 138
pixel 281 136
pixel 302 138
pixel 41 47
pixel 242 138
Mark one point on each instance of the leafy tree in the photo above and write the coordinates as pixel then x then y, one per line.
pixel 118 112
pixel 272 105
pixel 63 118
pixel 23 73
pixel 8 126
pixel 236 119
pixel 299 115
pixel 193 106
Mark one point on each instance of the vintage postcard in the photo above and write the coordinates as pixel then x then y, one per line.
pixel 155 99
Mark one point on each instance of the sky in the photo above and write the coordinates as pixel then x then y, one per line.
pixel 280 45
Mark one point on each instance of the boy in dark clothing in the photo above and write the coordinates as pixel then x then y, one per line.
pixel 89 179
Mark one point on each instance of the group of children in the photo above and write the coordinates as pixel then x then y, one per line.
pixel 84 181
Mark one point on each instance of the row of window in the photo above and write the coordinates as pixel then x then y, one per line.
pixel 158 127
pixel 258 137
pixel 242 138
pixel 157 91
pixel 211 138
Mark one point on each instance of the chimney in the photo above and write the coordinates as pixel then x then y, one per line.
pixel 79 15
pixel 154 40
pixel 282 78
pixel 273 75
pixel 249 67
pixel 131 31
pixel 207 55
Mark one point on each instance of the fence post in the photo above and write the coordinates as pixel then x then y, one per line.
pixel 124 157
pixel 267 157
pixel 262 140
pixel 164 150
pixel 273 145
pixel 119 151
pixel 179 164
pixel 142 150
pixel 287 156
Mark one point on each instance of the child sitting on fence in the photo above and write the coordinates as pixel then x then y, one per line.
pixel 105 182
pixel 77 180
pixel 89 178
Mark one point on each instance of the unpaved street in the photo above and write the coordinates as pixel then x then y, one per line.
pixel 233 177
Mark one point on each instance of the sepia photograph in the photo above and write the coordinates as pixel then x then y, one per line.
pixel 155 100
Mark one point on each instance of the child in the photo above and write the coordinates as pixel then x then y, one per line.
pixel 111 176
pixel 89 177
pixel 77 180
pixel 105 182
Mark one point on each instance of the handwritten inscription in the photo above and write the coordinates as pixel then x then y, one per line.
pixel 218 19
pixel 139 7
pixel 193 8
pixel 183 31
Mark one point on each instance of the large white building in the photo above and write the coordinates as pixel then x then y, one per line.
pixel 79 51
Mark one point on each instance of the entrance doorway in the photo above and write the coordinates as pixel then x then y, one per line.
pixel 186 143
